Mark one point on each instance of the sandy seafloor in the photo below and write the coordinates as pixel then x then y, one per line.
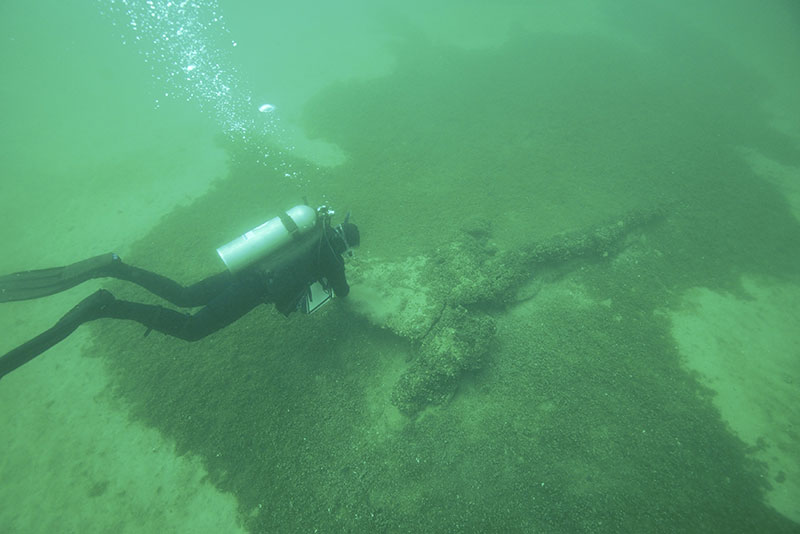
pixel 90 164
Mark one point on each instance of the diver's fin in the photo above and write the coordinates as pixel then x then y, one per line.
pixel 40 283
pixel 88 309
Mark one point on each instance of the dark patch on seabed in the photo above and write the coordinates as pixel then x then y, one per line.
pixel 582 419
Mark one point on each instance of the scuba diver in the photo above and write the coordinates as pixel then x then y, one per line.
pixel 294 260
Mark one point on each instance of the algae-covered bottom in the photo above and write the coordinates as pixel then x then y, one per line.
pixel 512 376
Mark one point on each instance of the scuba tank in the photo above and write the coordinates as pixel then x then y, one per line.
pixel 268 238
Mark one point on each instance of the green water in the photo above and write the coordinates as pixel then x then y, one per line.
pixel 525 121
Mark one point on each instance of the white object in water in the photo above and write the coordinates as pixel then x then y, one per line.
pixel 266 108
pixel 268 238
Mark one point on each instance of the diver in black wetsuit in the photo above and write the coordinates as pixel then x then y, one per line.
pixel 294 261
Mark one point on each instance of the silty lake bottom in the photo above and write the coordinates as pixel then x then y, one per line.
pixel 574 308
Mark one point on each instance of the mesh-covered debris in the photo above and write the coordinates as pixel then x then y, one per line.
pixel 459 342
pixel 442 301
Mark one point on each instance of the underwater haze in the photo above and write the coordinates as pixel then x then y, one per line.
pixel 574 309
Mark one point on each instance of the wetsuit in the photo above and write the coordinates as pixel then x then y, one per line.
pixel 224 297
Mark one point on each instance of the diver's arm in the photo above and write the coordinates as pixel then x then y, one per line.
pixel 338 281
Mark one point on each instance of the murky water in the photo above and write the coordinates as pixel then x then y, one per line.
pixel 577 222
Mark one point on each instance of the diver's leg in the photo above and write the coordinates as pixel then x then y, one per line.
pixel 234 302
pixel 198 294
pixel 42 282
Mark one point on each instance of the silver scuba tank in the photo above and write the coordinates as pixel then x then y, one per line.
pixel 268 238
